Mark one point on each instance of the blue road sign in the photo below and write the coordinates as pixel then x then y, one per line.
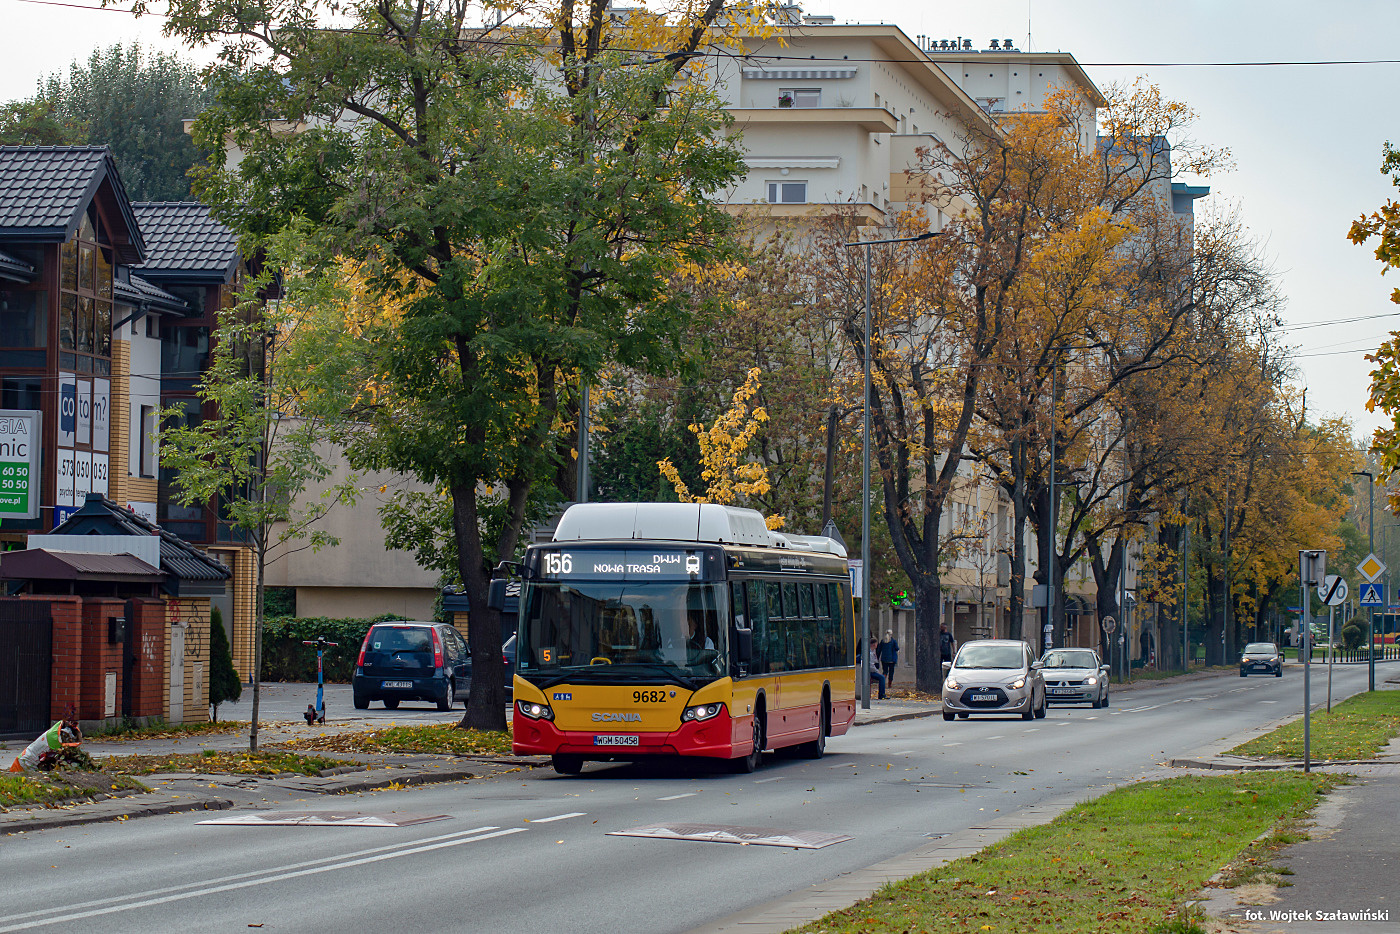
pixel 1373 594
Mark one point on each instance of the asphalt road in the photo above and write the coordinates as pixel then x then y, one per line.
pixel 530 851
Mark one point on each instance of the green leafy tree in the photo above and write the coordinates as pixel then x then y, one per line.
pixel 278 388
pixel 515 209
pixel 129 98
pixel 224 685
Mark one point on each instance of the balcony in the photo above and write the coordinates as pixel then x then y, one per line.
pixel 869 119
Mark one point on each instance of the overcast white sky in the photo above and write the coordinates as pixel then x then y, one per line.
pixel 1306 139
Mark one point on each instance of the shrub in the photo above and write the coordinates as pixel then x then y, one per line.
pixel 1352 636
pixel 224 684
pixel 285 658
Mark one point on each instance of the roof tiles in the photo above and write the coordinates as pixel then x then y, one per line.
pixel 46 186
pixel 182 237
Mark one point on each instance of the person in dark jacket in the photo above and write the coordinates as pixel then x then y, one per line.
pixel 876 678
pixel 947 647
pixel 888 654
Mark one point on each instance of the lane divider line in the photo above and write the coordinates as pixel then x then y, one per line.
pixel 548 820
pixel 688 794
pixel 248 883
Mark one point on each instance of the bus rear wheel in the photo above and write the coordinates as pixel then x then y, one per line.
pixel 567 764
pixel 817 747
pixel 746 764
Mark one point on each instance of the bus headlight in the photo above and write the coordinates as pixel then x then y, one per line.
pixel 701 712
pixel 534 711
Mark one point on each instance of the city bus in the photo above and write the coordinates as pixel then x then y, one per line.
pixel 679 629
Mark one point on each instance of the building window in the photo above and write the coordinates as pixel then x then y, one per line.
pixel 799 97
pixel 787 192
pixel 148 441
pixel 85 300
pixel 22 393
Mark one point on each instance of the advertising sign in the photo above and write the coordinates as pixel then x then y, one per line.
pixel 67 409
pixel 19 463
pixel 84 411
pixel 101 414
pixel 64 474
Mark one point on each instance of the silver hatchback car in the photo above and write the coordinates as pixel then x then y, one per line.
pixel 996 676
pixel 1074 676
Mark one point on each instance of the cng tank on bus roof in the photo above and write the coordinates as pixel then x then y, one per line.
pixel 669 522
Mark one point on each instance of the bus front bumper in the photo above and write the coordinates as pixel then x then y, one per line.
pixel 717 737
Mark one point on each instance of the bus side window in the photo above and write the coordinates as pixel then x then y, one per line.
pixel 741 619
pixel 777 628
pixel 758 613
pixel 843 613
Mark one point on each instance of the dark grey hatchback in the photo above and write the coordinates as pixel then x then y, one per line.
pixel 412 661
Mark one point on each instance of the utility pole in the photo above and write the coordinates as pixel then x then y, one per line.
pixel 1371 546
pixel 1186 596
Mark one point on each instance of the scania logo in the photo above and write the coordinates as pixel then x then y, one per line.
pixel 617 718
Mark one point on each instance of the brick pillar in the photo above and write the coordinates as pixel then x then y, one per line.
pixel 149 623
pixel 102 660
pixel 65 673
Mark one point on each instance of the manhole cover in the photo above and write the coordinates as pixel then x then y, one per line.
pixel 324 819
pixel 726 833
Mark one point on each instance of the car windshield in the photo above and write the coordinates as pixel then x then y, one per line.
pixel 991 656
pixel 1260 648
pixel 622 632
pixel 1071 658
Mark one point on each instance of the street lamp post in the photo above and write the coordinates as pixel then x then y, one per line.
pixel 865 475
pixel 1053 520
pixel 1371 546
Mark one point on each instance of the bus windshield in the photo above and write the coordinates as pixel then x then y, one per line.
pixel 628 632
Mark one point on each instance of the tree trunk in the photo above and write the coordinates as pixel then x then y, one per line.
pixel 928 612
pixel 260 556
pixel 1016 602
pixel 1106 600
pixel 487 701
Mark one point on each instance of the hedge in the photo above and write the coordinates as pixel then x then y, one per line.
pixel 285 658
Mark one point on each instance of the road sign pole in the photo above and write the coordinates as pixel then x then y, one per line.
pixel 1331 652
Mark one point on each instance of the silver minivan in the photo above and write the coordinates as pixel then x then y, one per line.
pixel 996 676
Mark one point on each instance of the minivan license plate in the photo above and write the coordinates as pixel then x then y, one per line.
pixel 615 740
pixel 982 697
pixel 396 684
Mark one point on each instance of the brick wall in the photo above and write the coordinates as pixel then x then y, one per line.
pixel 150 641
pixel 102 677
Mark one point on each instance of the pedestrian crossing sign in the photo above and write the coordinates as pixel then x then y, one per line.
pixel 1373 595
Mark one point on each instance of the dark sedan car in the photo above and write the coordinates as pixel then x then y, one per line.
pixel 1261 658
pixel 412 661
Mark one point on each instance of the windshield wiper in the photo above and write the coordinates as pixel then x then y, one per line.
pixel 605 673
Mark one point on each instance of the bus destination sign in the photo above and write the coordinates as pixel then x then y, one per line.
pixel 620 564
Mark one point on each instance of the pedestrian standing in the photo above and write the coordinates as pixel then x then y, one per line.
pixel 888 654
pixel 947 647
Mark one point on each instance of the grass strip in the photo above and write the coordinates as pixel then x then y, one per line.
pixel 1123 863
pixel 30 789
pixel 163 730
pixel 212 761
pixel 1357 728
pixel 443 739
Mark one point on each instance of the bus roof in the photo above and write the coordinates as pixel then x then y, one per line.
pixel 681 522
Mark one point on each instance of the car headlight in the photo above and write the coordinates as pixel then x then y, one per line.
pixel 1092 681
pixel 1244 661
pixel 953 683
pixel 1019 683
pixel 701 712
pixel 534 710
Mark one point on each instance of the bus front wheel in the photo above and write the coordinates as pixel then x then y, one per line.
pixel 745 764
pixel 567 765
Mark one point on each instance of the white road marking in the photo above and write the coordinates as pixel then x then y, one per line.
pixel 688 794
pixel 903 752
pixel 760 781
pixel 267 876
pixel 843 765
pixel 1034 729
pixel 1268 702
pixel 998 736
pixel 548 820
pixel 952 744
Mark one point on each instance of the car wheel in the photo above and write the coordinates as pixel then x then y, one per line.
pixel 947 715
pixel 962 716
pixel 1105 700
pixel 1243 674
pixel 449 697
pixel 1279 672
pixel 746 764
pixel 1040 711
pixel 361 702
pixel 1030 709
pixel 567 765
pixel 817 747
pixel 391 703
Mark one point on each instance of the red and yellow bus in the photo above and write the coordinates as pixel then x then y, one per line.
pixel 651 629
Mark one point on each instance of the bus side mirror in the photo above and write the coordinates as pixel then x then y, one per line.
pixel 496 594
pixel 743 646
